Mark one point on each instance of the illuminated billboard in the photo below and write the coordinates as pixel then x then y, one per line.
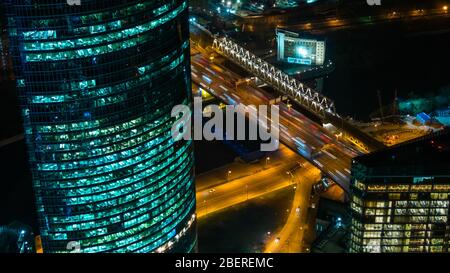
pixel 294 49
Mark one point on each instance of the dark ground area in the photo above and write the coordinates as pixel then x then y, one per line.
pixel 211 154
pixel 243 228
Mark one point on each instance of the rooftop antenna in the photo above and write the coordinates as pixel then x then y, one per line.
pixel 381 106
pixel 395 106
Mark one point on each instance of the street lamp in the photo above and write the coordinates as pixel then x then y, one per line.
pixel 206 207
pixel 267 160
pixel 246 190
pixel 292 177
pixel 289 173
pixel 228 175
pixel 289 105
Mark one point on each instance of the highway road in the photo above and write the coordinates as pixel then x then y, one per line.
pixel 218 197
pixel 320 147
pixel 239 169
pixel 334 23
pixel 291 237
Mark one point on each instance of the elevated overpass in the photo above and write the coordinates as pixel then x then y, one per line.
pixel 298 132
pixel 309 99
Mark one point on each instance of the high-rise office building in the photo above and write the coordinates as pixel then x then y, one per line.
pixel 97 83
pixel 401 198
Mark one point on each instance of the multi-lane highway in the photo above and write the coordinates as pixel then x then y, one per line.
pixel 312 141
pixel 239 169
pixel 230 193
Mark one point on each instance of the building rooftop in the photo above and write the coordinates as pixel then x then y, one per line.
pixel 429 155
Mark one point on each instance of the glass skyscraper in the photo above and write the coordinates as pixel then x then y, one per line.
pixel 97 83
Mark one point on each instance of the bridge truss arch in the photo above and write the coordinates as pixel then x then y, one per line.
pixel 310 99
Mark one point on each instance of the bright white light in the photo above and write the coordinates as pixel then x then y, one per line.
pixel 302 51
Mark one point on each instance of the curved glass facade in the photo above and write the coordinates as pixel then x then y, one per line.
pixel 97 84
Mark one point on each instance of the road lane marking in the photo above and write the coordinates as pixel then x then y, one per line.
pixel 318 163
pixel 343 176
pixel 223 88
pixel 329 154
